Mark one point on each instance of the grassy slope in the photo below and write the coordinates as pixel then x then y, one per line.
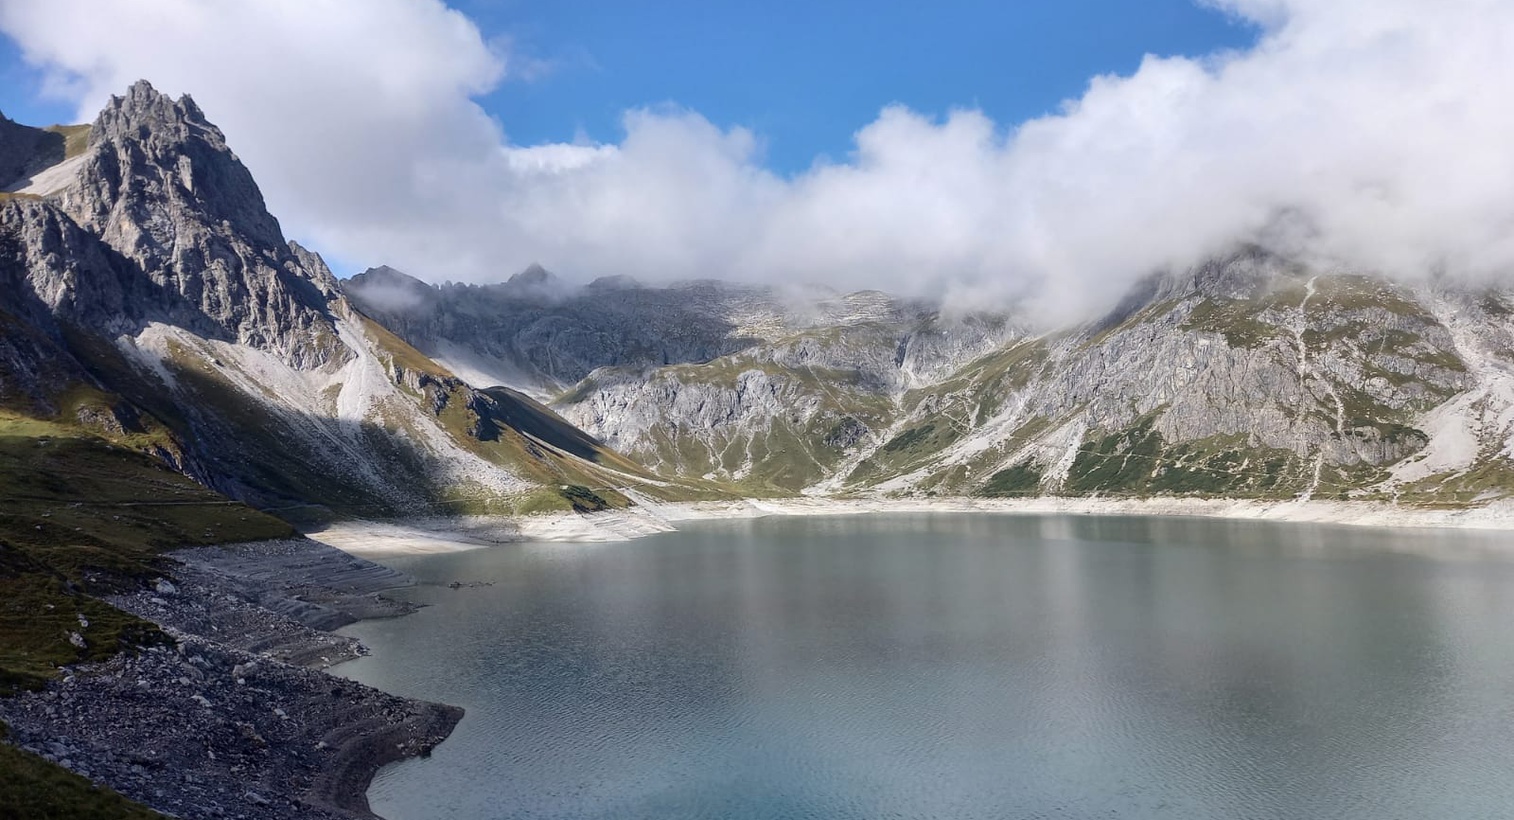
pixel 972 396
pixel 35 788
pixel 81 515
pixel 75 138
pixel 507 428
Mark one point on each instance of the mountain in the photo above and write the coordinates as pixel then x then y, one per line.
pixel 147 295
pixel 150 297
pixel 1251 376
pixel 536 333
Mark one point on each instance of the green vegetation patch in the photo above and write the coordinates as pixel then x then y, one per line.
pixel 75 138
pixel 1020 480
pixel 906 451
pixel 1138 461
pixel 1411 346
pixel 866 472
pixel 40 612
pixel 1236 320
pixel 80 516
pixel 909 439
pixel 1119 461
pixel 1355 293
pixel 401 353
pixel 31 787
pixel 583 499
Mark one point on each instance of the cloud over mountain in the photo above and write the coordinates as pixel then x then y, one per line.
pixel 1369 133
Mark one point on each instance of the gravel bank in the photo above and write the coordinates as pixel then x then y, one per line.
pixel 228 718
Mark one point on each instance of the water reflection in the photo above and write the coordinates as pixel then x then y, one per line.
pixel 963 666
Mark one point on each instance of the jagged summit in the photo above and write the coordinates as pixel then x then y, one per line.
pixel 534 284
pixel 387 273
pixel 172 153
pixel 144 103
pixel 180 214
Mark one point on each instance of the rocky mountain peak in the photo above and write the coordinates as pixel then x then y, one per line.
pixel 315 267
pixel 535 284
pixel 144 288
pixel 145 106
pixel 186 233
pixel 148 149
pixel 533 272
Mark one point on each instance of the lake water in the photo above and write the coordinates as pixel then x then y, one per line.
pixel 963 666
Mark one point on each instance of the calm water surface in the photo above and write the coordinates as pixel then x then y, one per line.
pixel 955 666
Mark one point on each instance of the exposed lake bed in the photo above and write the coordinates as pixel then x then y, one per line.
pixel 953 665
pixel 417 536
pixel 228 714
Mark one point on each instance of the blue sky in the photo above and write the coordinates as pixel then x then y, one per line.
pixel 803 75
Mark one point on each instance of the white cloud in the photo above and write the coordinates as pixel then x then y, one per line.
pixel 1374 133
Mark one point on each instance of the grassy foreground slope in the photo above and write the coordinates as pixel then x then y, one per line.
pixel 84 516
pixel 36 788
pixel 79 516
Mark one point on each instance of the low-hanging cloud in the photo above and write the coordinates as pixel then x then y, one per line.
pixel 1369 133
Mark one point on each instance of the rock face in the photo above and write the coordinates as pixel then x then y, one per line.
pixel 149 294
pixel 1250 376
pixel 535 333
pixel 159 186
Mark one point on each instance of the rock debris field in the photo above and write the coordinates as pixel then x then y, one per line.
pixel 228 718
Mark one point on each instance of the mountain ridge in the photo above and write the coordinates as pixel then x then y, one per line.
pixel 153 294
pixel 154 291
pixel 1250 375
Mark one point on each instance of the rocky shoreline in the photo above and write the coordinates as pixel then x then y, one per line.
pixel 231 716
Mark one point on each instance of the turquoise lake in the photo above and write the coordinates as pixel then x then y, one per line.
pixel 962 666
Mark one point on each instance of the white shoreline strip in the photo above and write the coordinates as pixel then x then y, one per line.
pixel 424 536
